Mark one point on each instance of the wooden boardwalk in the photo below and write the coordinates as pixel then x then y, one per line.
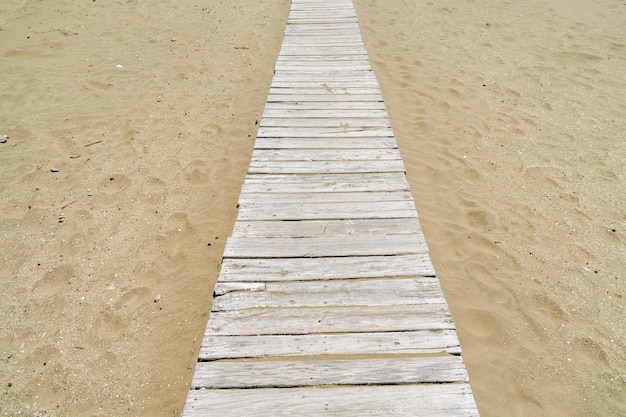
pixel 327 303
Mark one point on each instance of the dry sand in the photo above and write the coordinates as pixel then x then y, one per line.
pixel 510 120
pixel 147 110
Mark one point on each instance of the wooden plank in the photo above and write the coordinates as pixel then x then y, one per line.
pixel 268 346
pixel 324 122
pixel 303 269
pixel 327 91
pixel 309 198
pixel 379 182
pixel 371 292
pixel 328 143
pixel 310 320
pixel 432 400
pixel 327 211
pixel 310 228
pixel 282 98
pixel 313 167
pixel 322 59
pixel 324 155
pixel 270 113
pixel 298 373
pixel 406 288
pixel 327 105
pixel 302 65
pixel 315 247
pixel 324 132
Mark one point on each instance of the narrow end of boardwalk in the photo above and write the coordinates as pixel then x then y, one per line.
pixel 327 303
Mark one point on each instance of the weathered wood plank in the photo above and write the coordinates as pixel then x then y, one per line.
pixel 329 85
pixel 327 105
pixel 311 228
pixel 306 91
pixel 379 182
pixel 325 143
pixel 302 269
pixel 323 113
pixel 273 98
pixel 315 247
pixel 336 122
pixel 328 211
pixel 313 167
pixel 297 373
pixel 432 400
pixel 390 343
pixel 324 132
pixel 371 292
pixel 405 288
pixel 310 320
pixel 308 198
pixel 260 155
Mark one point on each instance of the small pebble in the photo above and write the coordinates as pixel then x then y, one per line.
pixel 54 170
pixel 3 138
pixel 157 298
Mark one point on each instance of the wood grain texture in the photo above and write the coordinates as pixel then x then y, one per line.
pixel 432 400
pixel 302 269
pixel 315 247
pixel 269 346
pixel 310 320
pixel 298 373
pixel 311 228
pixel 384 292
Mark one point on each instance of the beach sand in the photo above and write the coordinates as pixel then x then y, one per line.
pixel 130 128
pixel 510 119
pixel 148 114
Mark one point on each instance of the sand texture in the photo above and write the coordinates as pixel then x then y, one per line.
pixel 510 118
pixel 130 126
pixel 147 112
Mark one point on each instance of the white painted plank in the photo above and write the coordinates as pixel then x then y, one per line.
pixel 299 373
pixel 311 228
pixel 310 247
pixel 389 343
pixel 430 400
pixel 302 269
pixel 307 320
pixel 260 155
pixel 344 293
